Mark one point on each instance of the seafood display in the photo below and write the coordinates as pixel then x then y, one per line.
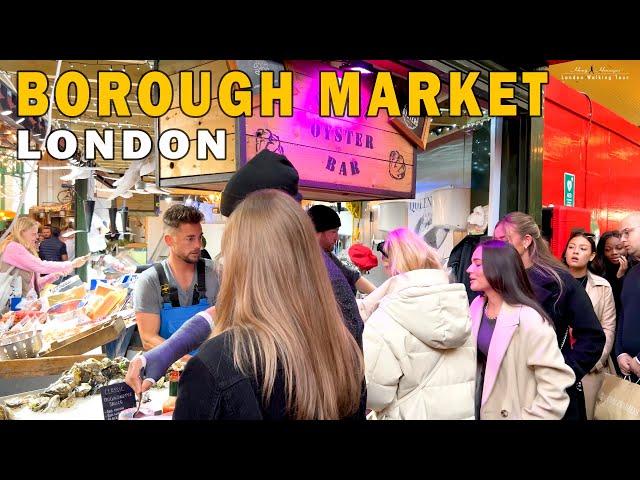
pixel 20 321
pixel 85 378
pixel 6 413
pixel 81 380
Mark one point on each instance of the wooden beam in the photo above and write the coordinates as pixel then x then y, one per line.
pixel 40 367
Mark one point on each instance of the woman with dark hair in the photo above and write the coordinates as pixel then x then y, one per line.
pixel 521 372
pixel 578 255
pixel 562 299
pixel 611 262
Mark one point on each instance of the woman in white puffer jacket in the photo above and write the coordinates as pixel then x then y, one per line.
pixel 420 356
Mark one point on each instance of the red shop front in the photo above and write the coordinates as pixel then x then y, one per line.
pixel 594 149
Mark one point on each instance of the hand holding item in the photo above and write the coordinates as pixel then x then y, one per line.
pixel 634 366
pixel 133 377
pixel 624 361
pixel 59 275
pixel 80 261
pixel 624 265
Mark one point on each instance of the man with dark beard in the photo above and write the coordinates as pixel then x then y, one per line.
pixel 266 170
pixel 176 289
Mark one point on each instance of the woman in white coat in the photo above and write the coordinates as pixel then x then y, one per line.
pixel 522 374
pixel 420 358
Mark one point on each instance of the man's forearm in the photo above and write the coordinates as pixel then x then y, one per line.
pixel 151 341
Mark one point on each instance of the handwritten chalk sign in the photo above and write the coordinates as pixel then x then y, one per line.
pixel 116 398
pixel 253 68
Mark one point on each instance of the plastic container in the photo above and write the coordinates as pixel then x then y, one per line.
pixel 15 301
pixel 66 311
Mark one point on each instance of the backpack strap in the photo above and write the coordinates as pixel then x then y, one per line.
pixel 200 288
pixel 169 293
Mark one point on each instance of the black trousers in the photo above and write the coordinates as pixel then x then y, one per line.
pixel 577 409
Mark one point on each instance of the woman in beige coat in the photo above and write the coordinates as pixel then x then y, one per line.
pixel 521 372
pixel 420 359
pixel 578 254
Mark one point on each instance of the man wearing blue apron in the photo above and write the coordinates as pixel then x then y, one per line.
pixel 177 288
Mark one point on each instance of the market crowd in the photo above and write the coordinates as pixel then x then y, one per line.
pixel 274 330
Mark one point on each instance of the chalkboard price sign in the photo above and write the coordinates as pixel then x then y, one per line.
pixel 253 68
pixel 116 398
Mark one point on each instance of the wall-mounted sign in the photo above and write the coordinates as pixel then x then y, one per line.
pixel 253 69
pixel 362 157
pixel 336 152
pixel 416 129
pixel 569 190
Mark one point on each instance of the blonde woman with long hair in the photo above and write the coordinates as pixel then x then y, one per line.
pixel 19 254
pixel 420 357
pixel 280 349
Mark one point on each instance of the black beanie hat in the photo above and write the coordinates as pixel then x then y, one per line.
pixel 266 170
pixel 324 218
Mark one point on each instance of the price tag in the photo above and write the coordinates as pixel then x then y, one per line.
pixel 116 398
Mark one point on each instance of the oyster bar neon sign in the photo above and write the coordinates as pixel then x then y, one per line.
pixel 339 135
pixel 336 151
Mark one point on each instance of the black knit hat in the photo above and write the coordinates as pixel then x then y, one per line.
pixel 324 218
pixel 265 170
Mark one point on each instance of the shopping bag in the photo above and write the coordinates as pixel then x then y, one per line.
pixel 618 399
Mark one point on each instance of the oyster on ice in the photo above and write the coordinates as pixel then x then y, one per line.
pixel 53 404
pixel 82 390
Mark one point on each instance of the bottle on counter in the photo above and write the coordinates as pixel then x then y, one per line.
pixel 170 403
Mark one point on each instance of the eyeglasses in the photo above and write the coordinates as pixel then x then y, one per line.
pixel 380 248
pixel 625 232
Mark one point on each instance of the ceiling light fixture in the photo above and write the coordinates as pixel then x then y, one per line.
pixel 359 66
pixel 6 112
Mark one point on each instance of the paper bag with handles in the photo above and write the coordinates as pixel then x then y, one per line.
pixel 618 399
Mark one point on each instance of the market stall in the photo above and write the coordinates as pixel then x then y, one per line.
pixel 82 393
pixel 55 341
pixel 68 323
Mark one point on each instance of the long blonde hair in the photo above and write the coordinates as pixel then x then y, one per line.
pixel 407 252
pixel 19 226
pixel 276 299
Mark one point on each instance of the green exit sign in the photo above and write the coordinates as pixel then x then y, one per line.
pixel 569 189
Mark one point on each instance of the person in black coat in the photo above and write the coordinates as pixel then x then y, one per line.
pixel 611 262
pixel 628 331
pixel 580 335
pixel 460 259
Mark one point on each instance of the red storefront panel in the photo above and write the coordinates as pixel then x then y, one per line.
pixel 599 147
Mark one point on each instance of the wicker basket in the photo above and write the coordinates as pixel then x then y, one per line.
pixel 20 345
